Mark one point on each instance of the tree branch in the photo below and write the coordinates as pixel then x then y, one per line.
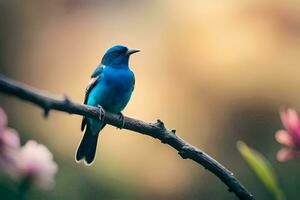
pixel 156 130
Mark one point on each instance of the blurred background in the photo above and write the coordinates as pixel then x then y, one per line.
pixel 216 71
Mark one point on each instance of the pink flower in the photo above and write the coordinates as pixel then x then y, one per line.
pixel 8 137
pixel 3 119
pixel 290 137
pixel 35 162
pixel 9 143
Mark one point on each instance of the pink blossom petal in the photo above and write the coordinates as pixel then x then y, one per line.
pixel 11 138
pixel 286 154
pixel 3 119
pixel 289 117
pixel 9 144
pixel 283 137
pixel 291 122
pixel 36 161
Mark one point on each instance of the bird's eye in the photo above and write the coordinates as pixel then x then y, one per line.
pixel 118 53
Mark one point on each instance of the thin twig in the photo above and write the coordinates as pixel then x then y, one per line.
pixel 156 130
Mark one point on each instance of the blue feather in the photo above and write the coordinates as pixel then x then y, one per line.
pixel 111 87
pixel 97 71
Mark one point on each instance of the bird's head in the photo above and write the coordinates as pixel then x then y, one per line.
pixel 117 56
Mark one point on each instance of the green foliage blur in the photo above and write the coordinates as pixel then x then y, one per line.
pixel 263 169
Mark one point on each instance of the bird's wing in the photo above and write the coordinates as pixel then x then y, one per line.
pixel 133 83
pixel 98 71
pixel 94 77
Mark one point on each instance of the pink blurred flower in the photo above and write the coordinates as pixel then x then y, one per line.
pixel 9 143
pixel 3 119
pixel 35 162
pixel 290 137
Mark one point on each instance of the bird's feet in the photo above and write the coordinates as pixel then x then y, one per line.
pixel 102 113
pixel 122 118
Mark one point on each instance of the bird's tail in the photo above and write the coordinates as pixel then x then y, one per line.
pixel 87 147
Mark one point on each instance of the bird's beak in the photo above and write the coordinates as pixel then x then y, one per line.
pixel 132 51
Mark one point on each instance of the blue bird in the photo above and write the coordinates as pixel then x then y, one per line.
pixel 110 88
